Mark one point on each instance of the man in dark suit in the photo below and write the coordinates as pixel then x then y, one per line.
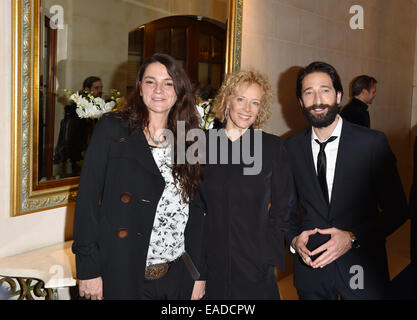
pixel 348 205
pixel 363 93
pixel 74 132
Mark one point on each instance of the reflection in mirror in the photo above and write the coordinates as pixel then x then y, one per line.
pixel 47 73
pixel 92 43
pixel 198 43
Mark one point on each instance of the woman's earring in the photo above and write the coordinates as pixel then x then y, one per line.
pixel 226 113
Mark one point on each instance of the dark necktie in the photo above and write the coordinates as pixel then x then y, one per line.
pixel 322 167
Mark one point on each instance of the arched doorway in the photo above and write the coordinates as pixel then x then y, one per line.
pixel 198 43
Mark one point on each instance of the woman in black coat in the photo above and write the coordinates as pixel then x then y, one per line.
pixel 132 207
pixel 245 195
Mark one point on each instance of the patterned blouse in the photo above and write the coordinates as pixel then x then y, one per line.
pixel 167 237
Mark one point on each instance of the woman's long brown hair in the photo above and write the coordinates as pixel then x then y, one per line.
pixel 136 114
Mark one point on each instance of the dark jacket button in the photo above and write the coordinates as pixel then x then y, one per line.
pixel 122 233
pixel 126 197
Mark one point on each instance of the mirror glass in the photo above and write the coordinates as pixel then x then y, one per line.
pixel 98 46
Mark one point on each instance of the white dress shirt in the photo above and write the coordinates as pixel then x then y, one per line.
pixel 330 151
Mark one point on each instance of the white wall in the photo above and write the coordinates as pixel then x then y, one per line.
pixel 414 101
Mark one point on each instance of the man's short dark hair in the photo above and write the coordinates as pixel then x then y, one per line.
pixel 362 82
pixel 319 66
pixel 88 83
pixel 205 92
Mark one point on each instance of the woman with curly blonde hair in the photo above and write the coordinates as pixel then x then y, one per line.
pixel 228 90
pixel 246 212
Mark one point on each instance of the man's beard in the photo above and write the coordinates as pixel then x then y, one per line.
pixel 321 120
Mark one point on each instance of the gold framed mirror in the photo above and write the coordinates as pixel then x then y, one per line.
pixel 36 53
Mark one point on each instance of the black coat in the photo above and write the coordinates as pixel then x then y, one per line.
pixel 73 135
pixel 356 112
pixel 367 199
pixel 243 238
pixel 118 195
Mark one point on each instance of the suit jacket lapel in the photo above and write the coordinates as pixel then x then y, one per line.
pixel 311 171
pixel 341 162
pixel 142 152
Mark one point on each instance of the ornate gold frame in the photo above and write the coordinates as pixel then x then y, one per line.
pixel 27 194
pixel 234 36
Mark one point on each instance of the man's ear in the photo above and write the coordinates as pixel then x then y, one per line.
pixel 338 97
pixel 364 92
pixel 301 102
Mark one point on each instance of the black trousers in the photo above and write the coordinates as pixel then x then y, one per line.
pixel 176 284
pixel 240 289
pixel 335 287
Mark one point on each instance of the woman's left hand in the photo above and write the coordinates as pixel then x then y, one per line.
pixel 199 290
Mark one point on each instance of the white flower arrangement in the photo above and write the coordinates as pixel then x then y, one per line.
pixel 206 114
pixel 92 107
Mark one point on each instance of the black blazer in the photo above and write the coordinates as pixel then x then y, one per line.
pixel 119 191
pixel 367 199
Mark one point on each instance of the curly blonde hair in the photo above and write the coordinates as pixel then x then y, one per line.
pixel 230 86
